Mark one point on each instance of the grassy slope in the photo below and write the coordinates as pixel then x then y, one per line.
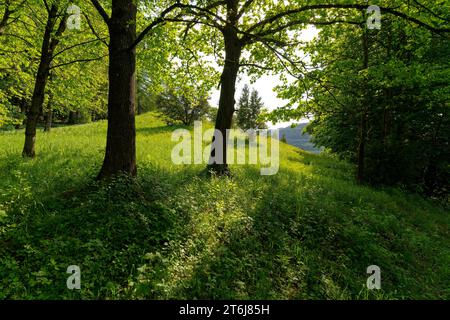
pixel 307 232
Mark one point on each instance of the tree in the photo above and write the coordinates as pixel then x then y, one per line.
pixel 383 104
pixel 177 107
pixel 48 58
pixel 263 29
pixel 256 106
pixel 20 51
pixel 53 30
pixel 11 7
pixel 15 66
pixel 187 83
pixel 249 110
pixel 243 110
pixel 35 44
pixel 120 154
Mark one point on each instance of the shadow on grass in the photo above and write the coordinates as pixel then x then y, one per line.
pixel 274 251
pixel 104 228
pixel 302 242
pixel 172 235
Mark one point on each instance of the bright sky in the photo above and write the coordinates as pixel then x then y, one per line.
pixel 265 85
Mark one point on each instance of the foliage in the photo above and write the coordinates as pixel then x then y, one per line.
pixel 75 87
pixel 179 108
pixel 402 97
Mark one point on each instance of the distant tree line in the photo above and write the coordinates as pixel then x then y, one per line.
pixel 249 108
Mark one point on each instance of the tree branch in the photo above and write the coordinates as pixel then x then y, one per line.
pixel 77 61
pixel 94 32
pixel 156 22
pixel 280 56
pixel 244 8
pixel 19 37
pixel 281 15
pixel 254 65
pixel 430 11
pixel 202 12
pixel 75 45
pixel 61 28
pixel 5 17
pixel 101 11
pixel 46 6
pixel 315 23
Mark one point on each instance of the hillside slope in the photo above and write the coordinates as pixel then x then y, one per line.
pixel 296 137
pixel 308 232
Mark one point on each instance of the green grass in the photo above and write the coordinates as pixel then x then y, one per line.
pixel 308 232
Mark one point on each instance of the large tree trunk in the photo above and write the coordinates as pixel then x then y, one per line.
pixel 48 47
pixel 227 101
pixel 120 155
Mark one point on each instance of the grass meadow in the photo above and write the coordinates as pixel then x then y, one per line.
pixel 308 232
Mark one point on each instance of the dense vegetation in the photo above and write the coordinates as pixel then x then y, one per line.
pixel 378 97
pixel 308 232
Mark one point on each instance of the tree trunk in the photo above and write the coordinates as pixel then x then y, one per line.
pixel 48 47
pixel 49 114
pixel 48 120
pixel 363 122
pixel 39 88
pixel 72 118
pixel 22 103
pixel 227 101
pixel 362 148
pixel 120 155
pixel 5 17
